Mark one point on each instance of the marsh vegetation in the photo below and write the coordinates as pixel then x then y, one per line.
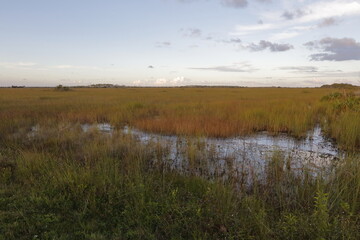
pixel 63 176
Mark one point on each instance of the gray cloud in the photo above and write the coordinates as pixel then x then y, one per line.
pixel 163 44
pixel 288 15
pixel 301 69
pixel 235 40
pixel 238 67
pixel 232 40
pixel 326 22
pixel 150 66
pixel 191 32
pixel 310 45
pixel 295 14
pixel 335 49
pixel 235 3
pixel 273 47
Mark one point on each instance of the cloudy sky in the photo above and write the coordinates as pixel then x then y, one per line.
pixel 179 42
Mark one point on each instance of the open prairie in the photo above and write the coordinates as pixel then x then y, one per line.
pixel 74 164
pixel 180 119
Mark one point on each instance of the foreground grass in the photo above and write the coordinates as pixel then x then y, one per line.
pixel 93 186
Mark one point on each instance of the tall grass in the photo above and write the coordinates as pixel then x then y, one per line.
pixel 215 112
pixel 341 119
pixel 64 183
pixel 93 186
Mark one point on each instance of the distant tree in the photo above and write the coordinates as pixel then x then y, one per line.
pixel 62 88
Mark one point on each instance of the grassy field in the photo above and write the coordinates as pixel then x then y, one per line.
pixel 68 184
pixel 217 112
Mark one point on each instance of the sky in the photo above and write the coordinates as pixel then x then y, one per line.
pixel 289 43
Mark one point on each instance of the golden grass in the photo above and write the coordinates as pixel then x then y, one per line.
pixel 215 112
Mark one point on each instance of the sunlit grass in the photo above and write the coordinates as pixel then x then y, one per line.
pixel 215 112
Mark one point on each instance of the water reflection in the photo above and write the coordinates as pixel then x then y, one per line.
pixel 247 156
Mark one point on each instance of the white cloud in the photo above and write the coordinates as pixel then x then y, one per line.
pixel 249 29
pixel 328 9
pixel 160 81
pixel 163 82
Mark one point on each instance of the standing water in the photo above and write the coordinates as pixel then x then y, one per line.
pixel 248 154
pixel 237 155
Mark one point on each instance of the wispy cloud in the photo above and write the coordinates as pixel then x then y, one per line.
pixel 326 22
pixel 26 64
pixel 74 67
pixel 260 46
pixel 193 46
pixel 329 9
pixel 65 66
pixel 300 69
pixel 316 14
pixel 163 44
pixel 18 64
pixel 232 40
pixel 335 49
pixel 236 67
pixel 41 67
pixel 191 32
pixel 250 29
pixel 273 47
